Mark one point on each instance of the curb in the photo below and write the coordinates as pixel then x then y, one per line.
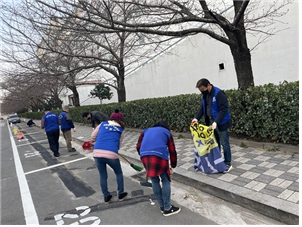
pixel 269 206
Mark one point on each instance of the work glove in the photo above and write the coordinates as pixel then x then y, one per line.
pixel 193 121
pixel 214 125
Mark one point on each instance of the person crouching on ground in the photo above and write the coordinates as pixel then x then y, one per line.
pixel 108 137
pixel 154 146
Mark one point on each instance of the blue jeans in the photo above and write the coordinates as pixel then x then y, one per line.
pixel 224 141
pixel 115 164
pixel 163 195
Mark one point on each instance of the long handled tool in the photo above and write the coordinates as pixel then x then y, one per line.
pixel 136 167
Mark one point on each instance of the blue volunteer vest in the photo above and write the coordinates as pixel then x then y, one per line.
pixel 108 137
pixel 155 142
pixel 215 109
pixel 51 121
pixel 64 123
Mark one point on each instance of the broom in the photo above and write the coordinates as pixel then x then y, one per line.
pixel 135 167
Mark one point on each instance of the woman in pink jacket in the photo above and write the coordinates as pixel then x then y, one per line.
pixel 108 137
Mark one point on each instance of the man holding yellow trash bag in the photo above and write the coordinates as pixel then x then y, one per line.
pixel 215 108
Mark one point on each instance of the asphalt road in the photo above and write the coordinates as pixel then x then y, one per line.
pixel 38 189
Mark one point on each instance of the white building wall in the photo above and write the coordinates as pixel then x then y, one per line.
pixel 199 57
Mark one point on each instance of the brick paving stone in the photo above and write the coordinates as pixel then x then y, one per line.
pixel 191 169
pixel 273 172
pixel 189 153
pixel 261 158
pixel 180 162
pixel 284 167
pixel 227 177
pixel 264 179
pixel 237 171
pixel 238 182
pixel 277 181
pixel 285 184
pixel 237 154
pixel 251 156
pixel 250 175
pixel 242 159
pixel 251 184
pixel 188 159
pixel 285 194
pixel 246 166
pixel 294 197
pixel 254 162
pixel 185 166
pixel 293 170
pixel 259 169
pixel 269 192
pixel 274 188
pixel 294 186
pixel 270 165
pixel 269 154
pixel 242 179
pixel 258 187
pixel 276 160
pixel 180 157
pixel 289 176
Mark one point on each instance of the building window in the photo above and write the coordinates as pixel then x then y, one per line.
pixel 71 100
pixel 221 66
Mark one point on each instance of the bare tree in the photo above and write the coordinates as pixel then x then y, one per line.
pixel 71 41
pixel 188 17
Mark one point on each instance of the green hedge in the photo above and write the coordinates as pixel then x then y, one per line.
pixel 261 112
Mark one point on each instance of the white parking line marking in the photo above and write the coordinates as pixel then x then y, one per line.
pixel 34 133
pixel 31 143
pixel 60 164
pixel 30 214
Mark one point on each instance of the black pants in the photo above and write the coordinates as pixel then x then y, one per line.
pixel 53 139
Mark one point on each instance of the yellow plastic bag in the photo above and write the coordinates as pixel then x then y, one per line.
pixel 203 137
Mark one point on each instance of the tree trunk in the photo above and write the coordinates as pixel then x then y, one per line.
pixel 121 90
pixel 58 101
pixel 243 67
pixel 76 97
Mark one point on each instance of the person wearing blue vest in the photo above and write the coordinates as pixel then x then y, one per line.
pixel 156 147
pixel 108 137
pixel 215 108
pixel 50 121
pixel 66 126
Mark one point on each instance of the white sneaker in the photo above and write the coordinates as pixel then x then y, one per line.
pixel 229 168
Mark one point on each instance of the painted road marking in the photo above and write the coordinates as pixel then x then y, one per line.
pixel 30 214
pixel 31 143
pixel 53 166
pixel 59 217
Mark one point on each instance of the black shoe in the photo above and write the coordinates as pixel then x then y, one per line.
pixel 162 209
pixel 122 196
pixel 173 210
pixel 72 150
pixel 57 155
pixel 107 199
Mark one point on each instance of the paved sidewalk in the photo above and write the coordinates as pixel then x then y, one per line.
pixel 263 181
